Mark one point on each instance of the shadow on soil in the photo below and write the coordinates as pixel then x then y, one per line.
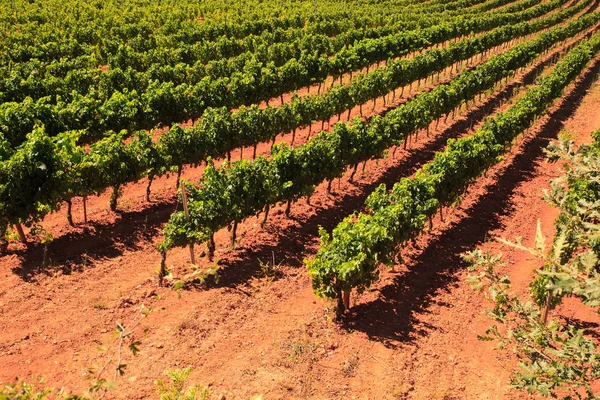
pixel 392 317
pixel 76 250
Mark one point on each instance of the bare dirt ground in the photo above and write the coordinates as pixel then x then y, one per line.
pixel 261 330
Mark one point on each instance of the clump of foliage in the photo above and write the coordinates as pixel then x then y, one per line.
pixel 175 389
pixel 556 358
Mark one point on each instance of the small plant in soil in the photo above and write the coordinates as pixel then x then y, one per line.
pixel 350 365
pixel 198 277
pixel 98 303
pixel 175 387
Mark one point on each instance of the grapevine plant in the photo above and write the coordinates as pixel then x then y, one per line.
pixel 350 256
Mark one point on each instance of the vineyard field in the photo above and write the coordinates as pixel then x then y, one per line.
pixel 276 199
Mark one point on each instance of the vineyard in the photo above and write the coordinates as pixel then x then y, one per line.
pixel 299 199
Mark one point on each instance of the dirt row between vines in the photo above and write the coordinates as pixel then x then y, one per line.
pixel 262 330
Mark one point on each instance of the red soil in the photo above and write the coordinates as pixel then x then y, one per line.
pixel 257 331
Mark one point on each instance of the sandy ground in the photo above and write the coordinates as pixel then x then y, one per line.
pixel 261 330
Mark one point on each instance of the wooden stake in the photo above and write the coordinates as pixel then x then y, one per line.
pixel 85 209
pixel 233 234
pixel 19 229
